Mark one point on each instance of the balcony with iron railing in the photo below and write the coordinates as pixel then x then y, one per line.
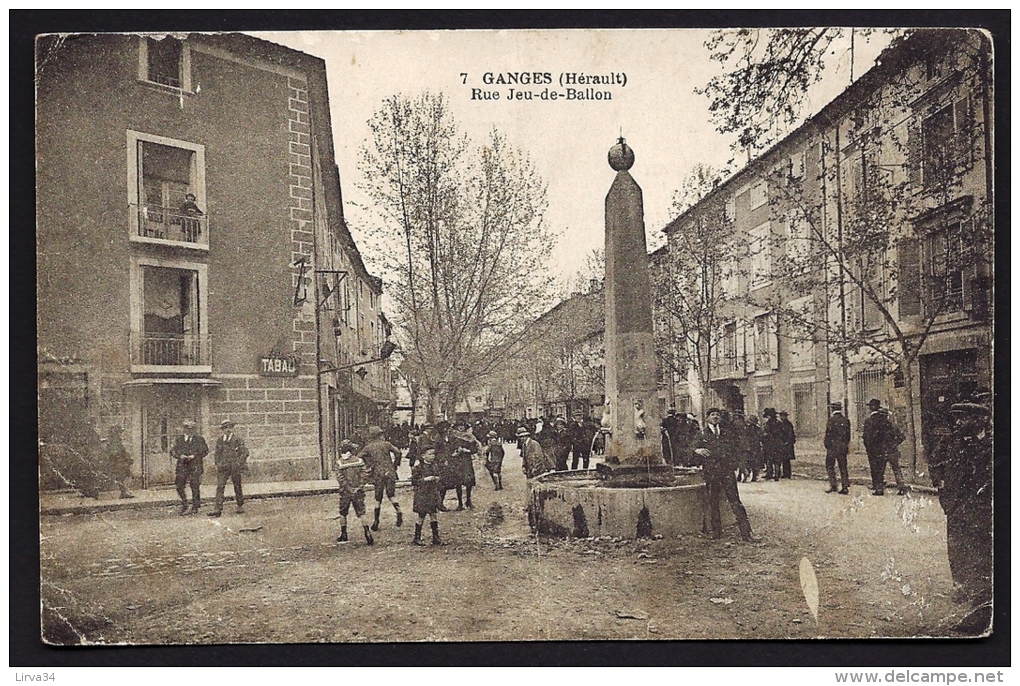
pixel 170 225
pixel 170 353
pixel 729 367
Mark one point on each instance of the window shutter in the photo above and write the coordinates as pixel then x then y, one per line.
pixel 964 132
pixel 914 153
pixel 909 278
pixel 774 341
pixel 969 258
pixel 741 346
pixel 752 347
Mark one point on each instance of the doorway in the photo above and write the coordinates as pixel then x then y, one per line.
pixel 946 378
pixel 162 413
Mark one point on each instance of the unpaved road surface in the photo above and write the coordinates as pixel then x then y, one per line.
pixel 275 574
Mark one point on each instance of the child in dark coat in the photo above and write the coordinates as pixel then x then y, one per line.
pixel 425 480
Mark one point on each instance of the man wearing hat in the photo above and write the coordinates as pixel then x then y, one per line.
pixel 231 460
pixel 534 461
pixel 789 439
pixel 772 444
pixel 562 441
pixel 381 458
pixel 961 468
pixel 715 449
pixel 881 441
pixel 837 447
pixel 188 451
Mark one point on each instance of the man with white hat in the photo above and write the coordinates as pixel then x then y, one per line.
pixel 188 450
pixel 231 460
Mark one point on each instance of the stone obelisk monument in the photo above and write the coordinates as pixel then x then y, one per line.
pixel 634 447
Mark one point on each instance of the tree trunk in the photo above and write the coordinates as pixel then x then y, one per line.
pixel 434 405
pixel 908 380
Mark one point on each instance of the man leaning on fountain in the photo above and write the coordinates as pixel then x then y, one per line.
pixel 715 448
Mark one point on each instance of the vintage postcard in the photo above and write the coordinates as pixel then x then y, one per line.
pixel 515 335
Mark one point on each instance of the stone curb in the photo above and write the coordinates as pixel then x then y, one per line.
pixel 172 501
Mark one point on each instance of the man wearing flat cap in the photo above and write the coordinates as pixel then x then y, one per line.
pixel 188 451
pixel 231 461
pixel 715 450
pixel 961 469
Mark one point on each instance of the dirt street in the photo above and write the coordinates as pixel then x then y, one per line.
pixel 275 574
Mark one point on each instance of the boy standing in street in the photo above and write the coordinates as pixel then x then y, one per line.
pixel 350 476
pixel 425 480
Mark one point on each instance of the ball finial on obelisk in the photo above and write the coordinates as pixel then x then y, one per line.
pixel 621 156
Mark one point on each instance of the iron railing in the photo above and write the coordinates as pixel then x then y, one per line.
pixel 170 350
pixel 728 367
pixel 171 224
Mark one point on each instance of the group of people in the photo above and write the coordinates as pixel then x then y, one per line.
pixel 231 458
pixel 441 457
pixel 764 451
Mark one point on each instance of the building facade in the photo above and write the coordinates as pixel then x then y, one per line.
pixel 188 219
pixel 862 249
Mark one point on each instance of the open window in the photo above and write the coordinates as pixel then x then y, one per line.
pixel 168 317
pixel 167 191
pixel 166 62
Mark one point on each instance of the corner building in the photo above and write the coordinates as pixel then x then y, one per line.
pixel 151 310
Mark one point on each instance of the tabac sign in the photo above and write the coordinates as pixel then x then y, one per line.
pixel 278 365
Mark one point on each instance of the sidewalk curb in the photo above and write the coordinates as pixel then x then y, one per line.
pixel 141 504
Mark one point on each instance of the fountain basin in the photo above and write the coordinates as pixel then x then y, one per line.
pixel 577 504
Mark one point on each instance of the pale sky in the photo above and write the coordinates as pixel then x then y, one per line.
pixel 662 118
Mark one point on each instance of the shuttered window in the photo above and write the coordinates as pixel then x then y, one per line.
pixel 909 278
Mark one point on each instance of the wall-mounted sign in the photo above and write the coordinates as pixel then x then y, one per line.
pixel 278 365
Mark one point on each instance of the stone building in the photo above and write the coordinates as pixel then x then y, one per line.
pixel 862 248
pixel 193 259
pixel 558 369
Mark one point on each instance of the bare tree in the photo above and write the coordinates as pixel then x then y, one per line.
pixel 462 234
pixel 769 74
pixel 694 293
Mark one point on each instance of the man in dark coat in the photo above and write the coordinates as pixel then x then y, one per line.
pixel 752 445
pixel 715 448
pixel 583 433
pixel 382 457
pixel 837 446
pixel 188 450
pixel 772 444
pixel 789 439
pixel 881 441
pixel 961 468
pixel 562 442
pixel 231 461
pixel 668 429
